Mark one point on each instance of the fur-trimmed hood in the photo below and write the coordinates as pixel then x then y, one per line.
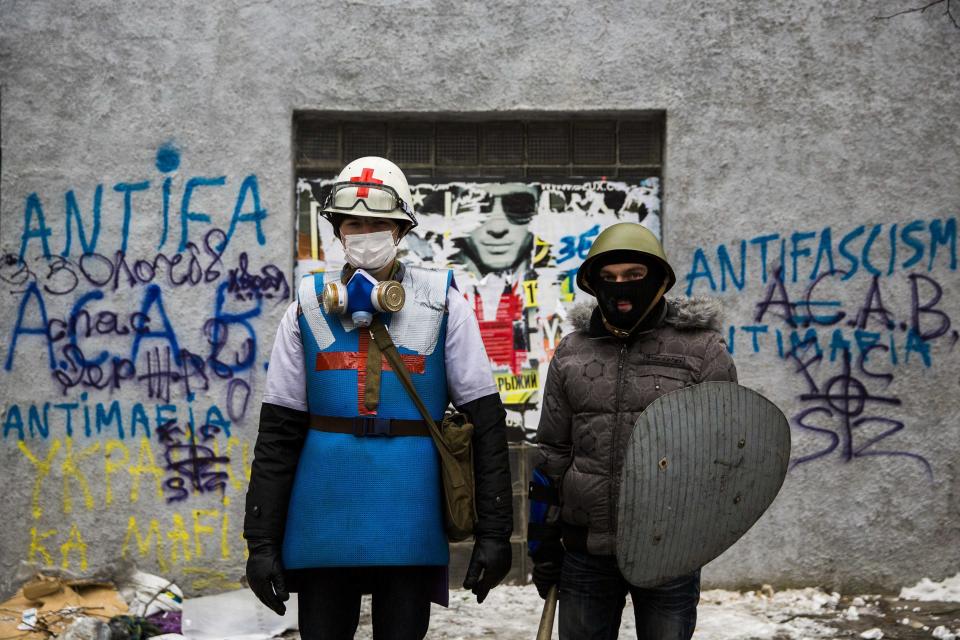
pixel 682 313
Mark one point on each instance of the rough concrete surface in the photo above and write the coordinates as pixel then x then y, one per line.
pixel 787 122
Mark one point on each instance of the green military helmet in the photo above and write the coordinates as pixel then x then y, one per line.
pixel 625 238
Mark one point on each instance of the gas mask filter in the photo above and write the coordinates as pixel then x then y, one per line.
pixel 362 297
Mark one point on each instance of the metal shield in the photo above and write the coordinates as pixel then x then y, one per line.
pixel 702 465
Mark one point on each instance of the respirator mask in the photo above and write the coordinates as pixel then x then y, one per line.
pixel 362 297
pixel 370 250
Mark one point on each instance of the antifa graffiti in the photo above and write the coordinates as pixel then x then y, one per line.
pixel 132 354
pixel 247 210
pixel 834 313
pixel 515 249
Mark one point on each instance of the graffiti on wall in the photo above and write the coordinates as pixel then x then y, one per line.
pixel 515 249
pixel 831 306
pixel 135 318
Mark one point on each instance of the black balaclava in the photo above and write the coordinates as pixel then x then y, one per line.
pixel 644 295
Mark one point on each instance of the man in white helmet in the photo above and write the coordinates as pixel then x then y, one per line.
pixel 345 490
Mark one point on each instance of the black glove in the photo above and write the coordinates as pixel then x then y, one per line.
pixel 265 574
pixel 492 557
pixel 546 574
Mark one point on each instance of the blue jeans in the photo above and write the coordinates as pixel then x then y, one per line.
pixel 593 593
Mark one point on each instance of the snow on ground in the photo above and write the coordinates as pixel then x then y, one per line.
pixel 513 613
pixel 730 615
pixel 924 611
pixel 928 591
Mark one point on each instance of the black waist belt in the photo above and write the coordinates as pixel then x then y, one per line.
pixel 362 426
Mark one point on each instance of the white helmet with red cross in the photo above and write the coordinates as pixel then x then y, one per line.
pixel 371 187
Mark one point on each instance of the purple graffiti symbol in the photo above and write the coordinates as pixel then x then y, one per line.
pixel 848 397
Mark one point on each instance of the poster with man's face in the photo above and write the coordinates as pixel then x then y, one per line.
pixel 514 247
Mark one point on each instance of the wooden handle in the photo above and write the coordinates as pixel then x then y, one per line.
pixel 549 613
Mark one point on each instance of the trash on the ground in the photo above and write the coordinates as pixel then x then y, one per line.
pixel 86 628
pixel 872 634
pixel 167 621
pixel 63 603
pixel 132 628
pixel 148 594
pixel 28 620
pixel 235 615
pixel 851 613
pixel 41 586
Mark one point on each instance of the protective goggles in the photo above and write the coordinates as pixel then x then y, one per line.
pixel 375 198
pixel 519 207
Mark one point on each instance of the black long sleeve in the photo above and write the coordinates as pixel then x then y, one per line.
pixel 275 458
pixel 491 463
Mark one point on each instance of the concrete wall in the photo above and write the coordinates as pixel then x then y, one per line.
pixel 807 125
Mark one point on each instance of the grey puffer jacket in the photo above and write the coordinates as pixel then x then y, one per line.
pixel 596 387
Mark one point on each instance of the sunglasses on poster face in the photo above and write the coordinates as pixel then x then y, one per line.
pixel 519 206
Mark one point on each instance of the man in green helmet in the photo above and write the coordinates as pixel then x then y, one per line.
pixel 630 347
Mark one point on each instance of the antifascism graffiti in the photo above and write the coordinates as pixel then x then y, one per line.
pixel 847 312
pixel 515 249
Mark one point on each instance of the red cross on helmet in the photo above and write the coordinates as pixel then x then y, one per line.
pixel 371 187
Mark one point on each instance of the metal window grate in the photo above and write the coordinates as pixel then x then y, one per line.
pixel 457 144
pixel 318 142
pixel 536 149
pixel 364 140
pixel 594 142
pixel 640 143
pixel 548 143
pixel 411 144
pixel 502 143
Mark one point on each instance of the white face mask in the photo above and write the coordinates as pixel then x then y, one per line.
pixel 369 251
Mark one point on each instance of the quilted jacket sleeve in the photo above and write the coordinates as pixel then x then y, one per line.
pixel 554 444
pixel 717 362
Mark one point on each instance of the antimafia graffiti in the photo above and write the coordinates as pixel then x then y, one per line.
pixel 515 249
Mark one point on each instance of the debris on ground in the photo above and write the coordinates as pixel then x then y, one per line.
pixel 148 594
pixel 233 614
pixel 74 608
pixel 87 629
pixel 47 606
